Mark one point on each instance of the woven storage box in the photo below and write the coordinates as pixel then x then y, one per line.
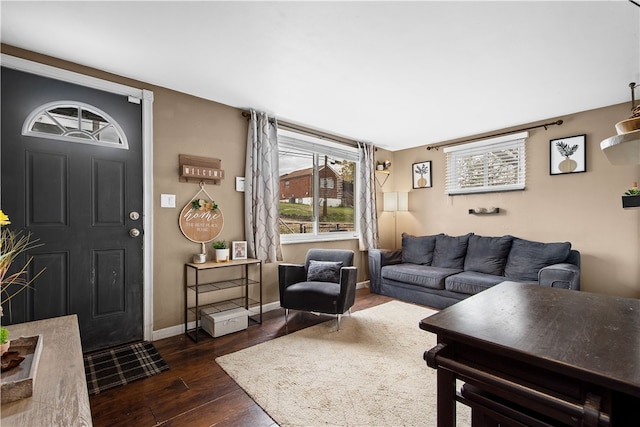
pixel 224 322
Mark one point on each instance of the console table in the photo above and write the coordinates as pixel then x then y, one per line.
pixel 60 396
pixel 537 356
pixel 193 282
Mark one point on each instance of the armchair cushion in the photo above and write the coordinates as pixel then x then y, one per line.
pixel 324 271
pixel 313 296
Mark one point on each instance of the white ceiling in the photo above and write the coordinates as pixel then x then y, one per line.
pixel 397 74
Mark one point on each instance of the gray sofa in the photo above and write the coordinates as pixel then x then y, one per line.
pixel 440 270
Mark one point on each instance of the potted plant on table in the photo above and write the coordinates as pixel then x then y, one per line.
pixel 4 340
pixel 12 244
pixel 222 250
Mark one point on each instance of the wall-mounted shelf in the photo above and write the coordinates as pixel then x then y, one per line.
pixel 384 172
pixel 482 211
pixel 631 201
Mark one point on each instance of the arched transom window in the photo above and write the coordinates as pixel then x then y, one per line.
pixel 75 122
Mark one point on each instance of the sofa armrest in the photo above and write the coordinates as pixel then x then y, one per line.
pixel 565 275
pixel 378 258
pixel 288 274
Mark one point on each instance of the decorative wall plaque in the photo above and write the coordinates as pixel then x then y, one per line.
pixel 201 219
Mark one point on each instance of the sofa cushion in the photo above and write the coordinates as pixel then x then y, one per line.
pixel 419 275
pixel 324 271
pixel 487 254
pixel 526 258
pixel 471 282
pixel 418 249
pixel 450 251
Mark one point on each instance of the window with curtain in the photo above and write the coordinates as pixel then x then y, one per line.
pixel 317 188
pixel 491 165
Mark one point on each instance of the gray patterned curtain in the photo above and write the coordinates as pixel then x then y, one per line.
pixel 367 202
pixel 261 189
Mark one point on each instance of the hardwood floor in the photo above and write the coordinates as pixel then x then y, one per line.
pixel 195 391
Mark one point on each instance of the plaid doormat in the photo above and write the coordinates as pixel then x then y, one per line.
pixel 120 366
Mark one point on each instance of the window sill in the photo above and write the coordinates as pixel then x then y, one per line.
pixel 316 239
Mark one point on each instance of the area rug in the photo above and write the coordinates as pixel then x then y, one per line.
pixel 370 373
pixel 120 366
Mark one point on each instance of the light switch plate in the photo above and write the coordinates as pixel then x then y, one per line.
pixel 239 183
pixel 167 200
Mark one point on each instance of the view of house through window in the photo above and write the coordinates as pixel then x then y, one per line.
pixel 317 183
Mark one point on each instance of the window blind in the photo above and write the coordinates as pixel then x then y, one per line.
pixel 303 142
pixel 497 164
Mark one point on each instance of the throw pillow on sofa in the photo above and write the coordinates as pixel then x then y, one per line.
pixel 450 251
pixel 526 258
pixel 487 254
pixel 418 250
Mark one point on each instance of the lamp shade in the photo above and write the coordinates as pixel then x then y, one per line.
pixel 403 201
pixel 390 201
pixel 395 201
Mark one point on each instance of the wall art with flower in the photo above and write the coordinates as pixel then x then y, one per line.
pixel 421 174
pixel 568 155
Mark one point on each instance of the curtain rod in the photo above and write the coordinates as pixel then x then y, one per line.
pixel 310 132
pixel 446 144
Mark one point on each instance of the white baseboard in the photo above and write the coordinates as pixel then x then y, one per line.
pixel 172 331
pixel 361 285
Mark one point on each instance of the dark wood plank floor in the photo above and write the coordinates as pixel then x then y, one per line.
pixel 195 391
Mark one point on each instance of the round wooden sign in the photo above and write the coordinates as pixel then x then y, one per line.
pixel 200 225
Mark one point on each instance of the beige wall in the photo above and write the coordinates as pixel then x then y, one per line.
pixel 185 124
pixel 583 208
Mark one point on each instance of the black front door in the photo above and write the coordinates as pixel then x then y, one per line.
pixel 82 201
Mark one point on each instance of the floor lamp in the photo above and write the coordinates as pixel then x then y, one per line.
pixel 394 201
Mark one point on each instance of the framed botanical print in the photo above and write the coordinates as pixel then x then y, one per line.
pixel 421 174
pixel 568 155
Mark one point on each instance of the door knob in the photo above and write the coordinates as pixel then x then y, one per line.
pixel 134 232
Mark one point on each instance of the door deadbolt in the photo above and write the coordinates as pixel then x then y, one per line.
pixel 134 216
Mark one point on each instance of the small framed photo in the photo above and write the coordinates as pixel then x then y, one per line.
pixel 421 174
pixel 568 155
pixel 239 250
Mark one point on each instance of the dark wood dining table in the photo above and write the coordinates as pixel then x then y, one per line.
pixel 538 356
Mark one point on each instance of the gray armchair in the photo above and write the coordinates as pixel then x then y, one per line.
pixel 325 283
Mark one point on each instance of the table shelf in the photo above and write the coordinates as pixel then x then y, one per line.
pixel 223 284
pixel 231 304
